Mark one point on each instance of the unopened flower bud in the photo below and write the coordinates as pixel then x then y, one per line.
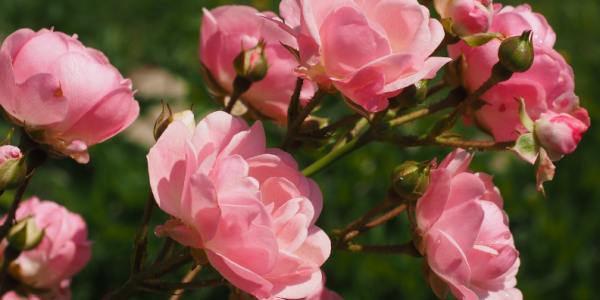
pixel 516 53
pixel 186 116
pixel 25 235
pixel 252 64
pixel 318 142
pixel 411 179
pixel 13 168
pixel 413 95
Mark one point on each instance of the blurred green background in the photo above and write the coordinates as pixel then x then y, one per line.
pixel 155 42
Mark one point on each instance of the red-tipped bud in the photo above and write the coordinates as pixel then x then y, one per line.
pixel 13 169
pixel 252 64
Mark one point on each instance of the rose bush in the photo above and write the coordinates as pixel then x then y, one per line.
pixel 67 96
pixel 247 207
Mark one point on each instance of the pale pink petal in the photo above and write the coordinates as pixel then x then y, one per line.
pixel 431 206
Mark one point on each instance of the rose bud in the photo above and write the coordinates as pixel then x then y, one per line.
pixel 559 134
pixel 411 179
pixel 252 64
pixel 465 17
pixel 25 235
pixel 186 116
pixel 413 95
pixel 13 168
pixel 66 96
pixel 516 53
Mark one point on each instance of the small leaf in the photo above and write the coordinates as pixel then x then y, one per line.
pixel 293 51
pixel 526 146
pixel 6 141
pixel 525 119
pixel 480 39
pixel 544 170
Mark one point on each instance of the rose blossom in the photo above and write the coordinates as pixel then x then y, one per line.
pixel 67 96
pixel 466 17
pixel 224 31
pixel 547 86
pixel 45 271
pixel 368 50
pixel 248 207
pixel 463 234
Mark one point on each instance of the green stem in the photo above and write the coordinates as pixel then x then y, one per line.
pixel 408 248
pixel 295 127
pixel 165 248
pixel 10 254
pixel 340 152
pixel 139 252
pixel 10 216
pixel 440 85
pixel 367 137
pixel 130 288
pixel 240 86
pixel 318 133
pixel 390 199
pixel 381 220
pixel 474 145
pixel 159 285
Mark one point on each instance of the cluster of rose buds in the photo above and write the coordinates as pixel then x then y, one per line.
pixel 247 210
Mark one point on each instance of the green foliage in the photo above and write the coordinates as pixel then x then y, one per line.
pixel 557 237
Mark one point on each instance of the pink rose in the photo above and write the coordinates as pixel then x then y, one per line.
pixel 464 234
pixel 548 80
pixel 224 30
pixel 248 207
pixel 67 96
pixel 466 17
pixel 368 50
pixel 46 270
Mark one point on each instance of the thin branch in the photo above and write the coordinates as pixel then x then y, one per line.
pixel 408 248
pixel 295 127
pixel 318 133
pixel 188 277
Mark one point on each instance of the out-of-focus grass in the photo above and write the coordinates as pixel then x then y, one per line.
pixel 557 237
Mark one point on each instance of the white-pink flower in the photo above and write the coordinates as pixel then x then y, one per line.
pixel 368 50
pixel 248 207
pixel 67 96
pixel 464 234
pixel 45 271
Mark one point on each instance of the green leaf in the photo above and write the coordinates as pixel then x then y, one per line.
pixel 480 39
pixel 525 119
pixel 544 170
pixel 526 146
